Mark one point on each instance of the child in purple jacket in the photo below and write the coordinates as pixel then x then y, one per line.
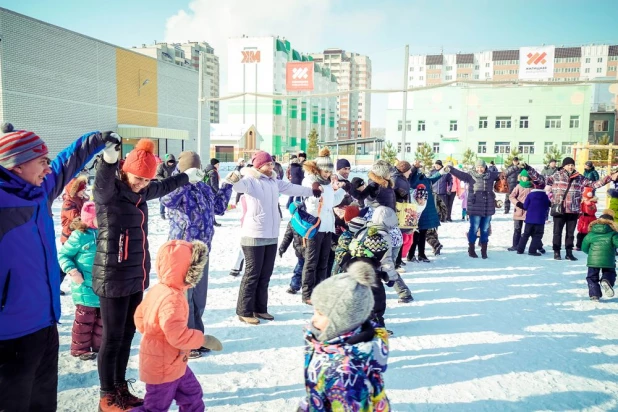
pixel 537 206
pixel 192 209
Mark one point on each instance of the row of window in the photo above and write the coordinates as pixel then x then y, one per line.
pixel 567 70
pixel 524 147
pixel 512 62
pixel 501 147
pixel 505 122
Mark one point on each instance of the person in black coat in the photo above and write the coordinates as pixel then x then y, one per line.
pixel 121 268
pixel 165 170
pixel 296 173
pixel 239 165
pixel 212 178
pixel 511 173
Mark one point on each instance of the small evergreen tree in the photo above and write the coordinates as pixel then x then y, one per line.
pixel 312 145
pixel 424 154
pixel 553 153
pixel 509 160
pixel 469 158
pixel 389 153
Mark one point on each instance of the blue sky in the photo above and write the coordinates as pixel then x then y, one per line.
pixel 377 28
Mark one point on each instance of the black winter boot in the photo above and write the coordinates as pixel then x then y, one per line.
pixel 484 250
pixel 471 251
pixel 569 255
pixel 557 255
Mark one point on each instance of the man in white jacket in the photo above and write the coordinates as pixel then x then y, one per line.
pixel 319 247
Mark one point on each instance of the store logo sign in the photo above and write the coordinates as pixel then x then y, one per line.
pixel 250 56
pixel 300 73
pixel 299 76
pixel 537 58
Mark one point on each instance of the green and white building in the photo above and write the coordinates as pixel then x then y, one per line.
pixel 258 65
pixel 491 120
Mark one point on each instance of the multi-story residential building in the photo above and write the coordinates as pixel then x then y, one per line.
pixel 493 120
pixel 111 89
pixel 352 71
pixel 188 55
pixel 258 65
pixel 563 63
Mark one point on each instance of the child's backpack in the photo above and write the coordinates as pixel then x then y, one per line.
pixel 303 222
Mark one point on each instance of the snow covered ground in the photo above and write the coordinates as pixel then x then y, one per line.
pixel 510 333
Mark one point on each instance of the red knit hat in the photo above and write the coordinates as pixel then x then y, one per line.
pixel 88 214
pixel 350 213
pixel 260 158
pixel 141 161
pixel 19 146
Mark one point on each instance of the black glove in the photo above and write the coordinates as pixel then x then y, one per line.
pixel 357 182
pixel 317 192
pixel 385 278
pixel 110 137
pixel 373 189
pixel 520 205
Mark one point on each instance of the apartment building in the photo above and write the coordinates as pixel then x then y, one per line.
pixel 188 55
pixel 258 65
pixel 547 63
pixel 352 71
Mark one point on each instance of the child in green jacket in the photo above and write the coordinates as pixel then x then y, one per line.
pixel 76 258
pixel 600 245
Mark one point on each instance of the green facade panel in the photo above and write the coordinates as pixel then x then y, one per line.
pixel 293 141
pixel 277 144
pixel 303 144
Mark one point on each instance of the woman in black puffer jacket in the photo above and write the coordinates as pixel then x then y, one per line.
pixel 122 262
pixel 481 202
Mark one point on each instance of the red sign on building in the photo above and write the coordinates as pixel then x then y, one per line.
pixel 299 76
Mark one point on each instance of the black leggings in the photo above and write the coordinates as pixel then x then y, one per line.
pixel 419 241
pixel 118 330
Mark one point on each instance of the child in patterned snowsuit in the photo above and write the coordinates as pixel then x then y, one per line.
pixel 345 353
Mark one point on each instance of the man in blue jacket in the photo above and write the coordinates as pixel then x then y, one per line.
pixel 29 271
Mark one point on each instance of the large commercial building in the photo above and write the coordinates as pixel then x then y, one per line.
pixel 493 120
pixel 188 55
pixel 258 65
pixel 548 63
pixel 352 71
pixel 101 87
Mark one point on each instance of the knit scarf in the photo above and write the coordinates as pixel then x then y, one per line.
pixel 321 180
pixel 527 184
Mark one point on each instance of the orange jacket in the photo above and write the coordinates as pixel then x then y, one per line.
pixel 162 318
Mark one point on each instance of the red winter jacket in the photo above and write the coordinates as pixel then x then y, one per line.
pixel 588 215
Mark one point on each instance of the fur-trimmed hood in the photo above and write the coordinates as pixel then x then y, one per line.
pixel 611 225
pixel 72 187
pixel 253 172
pixel 311 167
pixel 180 264
pixel 380 180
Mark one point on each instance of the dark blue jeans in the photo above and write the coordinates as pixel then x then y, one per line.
pixel 196 297
pixel 297 278
pixel 161 208
pixel 477 222
pixel 594 289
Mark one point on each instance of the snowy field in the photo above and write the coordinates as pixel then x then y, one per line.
pixel 510 333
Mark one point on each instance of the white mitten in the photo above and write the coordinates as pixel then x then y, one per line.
pixel 233 177
pixel 195 175
pixel 110 152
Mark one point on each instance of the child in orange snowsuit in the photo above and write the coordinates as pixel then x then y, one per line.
pixel 586 215
pixel 167 341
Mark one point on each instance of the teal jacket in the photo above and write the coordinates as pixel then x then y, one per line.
pixel 600 244
pixel 78 253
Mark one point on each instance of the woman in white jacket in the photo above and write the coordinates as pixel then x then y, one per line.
pixel 259 227
pixel 318 248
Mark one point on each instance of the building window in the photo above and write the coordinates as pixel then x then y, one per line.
pixel 567 147
pixel 502 147
pixel 476 77
pixel 611 68
pixel 553 122
pixel 421 126
pixel 599 70
pixel 408 148
pixel 399 125
pixel 600 60
pixel 476 67
pixel 587 59
pixel 409 125
pixel 449 77
pixel 526 147
pixel 482 147
pixel 613 58
pixel 453 126
pixel 449 68
pixel 421 78
pixel 574 122
pixel 599 125
pixel 503 123
pixel 523 122
pixel 487 65
pixel 411 69
pixel 483 122
pixel 398 147
pixel 547 147
pixel 436 147
pixel 587 70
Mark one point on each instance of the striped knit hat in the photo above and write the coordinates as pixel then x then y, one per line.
pixel 19 146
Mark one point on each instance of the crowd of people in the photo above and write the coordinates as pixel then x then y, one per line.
pixel 352 239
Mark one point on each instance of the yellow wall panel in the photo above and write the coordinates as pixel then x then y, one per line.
pixel 137 102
